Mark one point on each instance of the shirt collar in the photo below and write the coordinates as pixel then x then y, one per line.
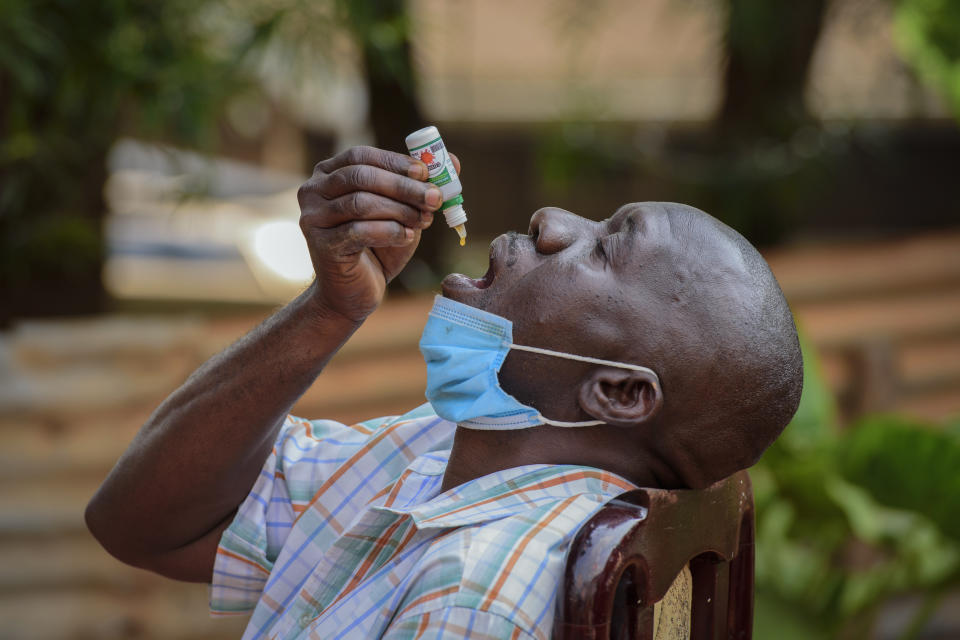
pixel 497 495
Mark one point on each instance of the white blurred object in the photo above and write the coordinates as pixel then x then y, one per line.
pixel 188 227
pixel 278 246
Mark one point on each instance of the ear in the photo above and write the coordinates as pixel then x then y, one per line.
pixel 621 397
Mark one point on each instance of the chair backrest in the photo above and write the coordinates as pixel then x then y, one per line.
pixel 625 558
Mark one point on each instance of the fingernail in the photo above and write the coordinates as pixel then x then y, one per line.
pixel 426 219
pixel 434 198
pixel 417 171
pixel 408 234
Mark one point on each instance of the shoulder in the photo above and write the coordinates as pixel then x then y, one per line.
pixel 311 456
pixel 300 438
pixel 320 430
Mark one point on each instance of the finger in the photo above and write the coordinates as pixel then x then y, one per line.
pixel 456 162
pixel 394 259
pixel 353 237
pixel 391 161
pixel 362 205
pixel 426 219
pixel 354 178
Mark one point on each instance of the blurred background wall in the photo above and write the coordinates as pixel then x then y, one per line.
pixel 149 160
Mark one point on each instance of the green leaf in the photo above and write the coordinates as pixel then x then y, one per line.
pixel 861 511
pixel 775 618
pixel 908 465
pixel 927 32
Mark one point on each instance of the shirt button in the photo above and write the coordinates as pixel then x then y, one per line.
pixel 305 620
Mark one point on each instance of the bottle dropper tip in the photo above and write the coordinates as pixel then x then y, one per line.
pixel 462 232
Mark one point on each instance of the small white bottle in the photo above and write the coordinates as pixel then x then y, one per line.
pixel 427 146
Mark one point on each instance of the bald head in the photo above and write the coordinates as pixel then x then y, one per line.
pixel 730 361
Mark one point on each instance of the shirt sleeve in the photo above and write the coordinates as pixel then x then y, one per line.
pixel 451 623
pixel 305 455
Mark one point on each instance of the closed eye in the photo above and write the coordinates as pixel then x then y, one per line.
pixel 600 252
pixel 625 227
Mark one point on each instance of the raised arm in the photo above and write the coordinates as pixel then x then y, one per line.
pixel 177 486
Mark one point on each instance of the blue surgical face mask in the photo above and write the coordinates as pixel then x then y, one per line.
pixel 464 348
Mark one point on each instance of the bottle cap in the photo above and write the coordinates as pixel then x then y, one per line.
pixel 421 137
pixel 455 215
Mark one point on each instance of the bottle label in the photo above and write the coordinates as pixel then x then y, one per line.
pixel 441 178
pixel 434 155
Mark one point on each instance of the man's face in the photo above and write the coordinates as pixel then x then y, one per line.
pixel 575 284
pixel 636 287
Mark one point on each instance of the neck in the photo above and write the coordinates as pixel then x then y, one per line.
pixel 479 453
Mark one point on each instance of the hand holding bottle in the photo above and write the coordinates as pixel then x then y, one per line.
pixel 362 212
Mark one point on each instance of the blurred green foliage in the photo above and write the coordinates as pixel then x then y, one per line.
pixel 762 187
pixel 73 77
pixel 928 34
pixel 76 76
pixel 848 518
pixel 581 155
pixel 295 34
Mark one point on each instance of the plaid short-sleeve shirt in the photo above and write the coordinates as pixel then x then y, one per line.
pixel 346 534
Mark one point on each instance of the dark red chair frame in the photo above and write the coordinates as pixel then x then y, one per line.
pixel 624 559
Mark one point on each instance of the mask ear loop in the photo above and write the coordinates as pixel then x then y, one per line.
pixel 573 356
pixel 559 423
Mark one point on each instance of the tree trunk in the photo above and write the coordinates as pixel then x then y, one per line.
pixel 769 46
pixel 382 28
pixel 51 227
pixel 60 251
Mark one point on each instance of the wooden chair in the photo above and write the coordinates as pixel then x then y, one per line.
pixel 646 543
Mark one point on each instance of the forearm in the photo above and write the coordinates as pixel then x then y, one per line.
pixel 197 456
pixel 194 461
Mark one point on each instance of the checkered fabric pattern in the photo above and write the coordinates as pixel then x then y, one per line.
pixel 346 534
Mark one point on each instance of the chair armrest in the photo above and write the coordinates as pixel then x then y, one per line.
pixel 635 546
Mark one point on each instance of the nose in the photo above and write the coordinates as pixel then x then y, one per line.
pixel 554 229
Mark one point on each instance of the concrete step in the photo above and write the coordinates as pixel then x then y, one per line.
pixel 171 612
pixel 111 340
pixel 42 563
pixel 78 388
pixel 931 364
pixel 860 270
pixel 934 406
pixel 917 367
pixel 908 317
pixel 71 446
pixel 43 509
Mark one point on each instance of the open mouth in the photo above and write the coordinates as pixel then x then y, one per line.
pixel 486 280
pixel 459 282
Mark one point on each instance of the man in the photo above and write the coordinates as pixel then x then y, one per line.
pixel 686 367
